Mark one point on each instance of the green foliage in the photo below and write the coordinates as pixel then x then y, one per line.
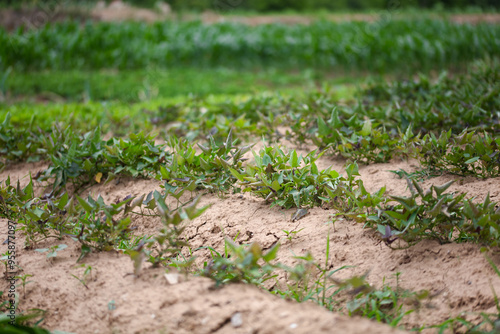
pixel 387 304
pixel 360 141
pixel 146 84
pixel 469 153
pixel 437 215
pixel 288 179
pixel 95 224
pixel 450 102
pixel 381 46
pixel 102 226
pixel 52 251
pixel 81 159
pixel 17 144
pixel 7 328
pixel 239 263
pixel 168 243
pixel 209 169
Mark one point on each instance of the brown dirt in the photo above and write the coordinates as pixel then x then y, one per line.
pixel 457 274
pixel 34 18
pixel 291 19
pixel 118 11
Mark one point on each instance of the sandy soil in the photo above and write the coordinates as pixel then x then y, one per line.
pixel 457 275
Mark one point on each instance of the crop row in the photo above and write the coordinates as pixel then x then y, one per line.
pixel 416 119
pixel 384 45
pixel 450 102
pixel 210 159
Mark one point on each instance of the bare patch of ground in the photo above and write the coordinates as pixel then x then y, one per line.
pixel 292 19
pixel 33 18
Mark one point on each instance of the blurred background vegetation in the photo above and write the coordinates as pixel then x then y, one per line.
pixel 287 5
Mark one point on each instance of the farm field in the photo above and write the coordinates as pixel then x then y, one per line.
pixel 186 177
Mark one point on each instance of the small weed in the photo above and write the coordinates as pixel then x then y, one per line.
pixel 87 275
pixel 52 251
pixel 248 264
pixel 291 234
pixel 24 282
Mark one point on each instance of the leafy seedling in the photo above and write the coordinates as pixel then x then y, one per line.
pixel 52 251
pixel 24 282
pixel 291 234
pixel 87 275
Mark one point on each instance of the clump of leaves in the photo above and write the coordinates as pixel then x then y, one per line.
pixel 364 142
pixel 437 215
pixel 239 263
pixel 288 179
pixel 450 102
pixel 350 198
pixel 82 159
pixel 102 226
pixel 38 217
pixel 73 158
pixel 209 169
pixel 387 305
pixel 309 280
pixel 18 143
pixel 469 153
pixel 167 244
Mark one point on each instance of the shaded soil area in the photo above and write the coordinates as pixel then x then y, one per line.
pixel 457 276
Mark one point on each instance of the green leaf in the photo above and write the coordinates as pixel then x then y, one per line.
pixel 236 174
pixel 367 128
pixel 294 160
pixel 472 160
pixel 441 189
pixel 266 160
pixel 275 185
pixel 271 253
pixel 86 206
pixel 323 129
pixel 296 197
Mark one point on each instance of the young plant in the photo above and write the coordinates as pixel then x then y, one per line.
pixel 239 263
pixel 291 234
pixel 209 169
pixel 469 153
pixel 437 215
pixel 87 275
pixel 102 226
pixel 387 305
pixel 52 251
pixel 167 244
pixel 289 180
pixel 24 282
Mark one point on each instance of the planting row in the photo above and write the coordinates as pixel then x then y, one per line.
pixel 281 178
